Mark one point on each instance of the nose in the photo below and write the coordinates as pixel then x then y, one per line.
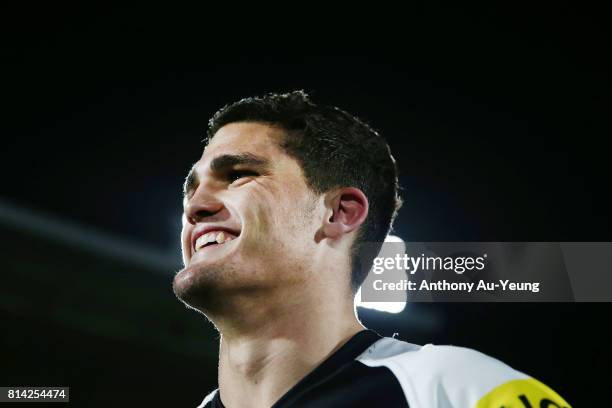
pixel 201 205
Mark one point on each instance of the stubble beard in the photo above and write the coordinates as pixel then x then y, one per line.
pixel 200 287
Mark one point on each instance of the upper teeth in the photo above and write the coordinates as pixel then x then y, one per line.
pixel 218 237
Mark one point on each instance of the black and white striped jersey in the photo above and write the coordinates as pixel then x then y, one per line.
pixel 374 371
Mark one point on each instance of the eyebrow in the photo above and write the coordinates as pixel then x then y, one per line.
pixel 223 163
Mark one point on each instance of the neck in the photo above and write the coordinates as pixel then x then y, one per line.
pixel 273 347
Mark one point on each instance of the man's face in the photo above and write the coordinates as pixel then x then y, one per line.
pixel 249 218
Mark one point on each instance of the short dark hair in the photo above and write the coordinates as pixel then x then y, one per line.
pixel 335 149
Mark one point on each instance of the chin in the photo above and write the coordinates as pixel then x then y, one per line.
pixel 200 285
pixel 195 274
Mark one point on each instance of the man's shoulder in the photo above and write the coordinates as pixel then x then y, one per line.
pixel 435 360
pixel 450 376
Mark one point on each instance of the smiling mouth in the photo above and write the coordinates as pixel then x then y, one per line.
pixel 213 238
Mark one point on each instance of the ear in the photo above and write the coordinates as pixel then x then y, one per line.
pixel 347 210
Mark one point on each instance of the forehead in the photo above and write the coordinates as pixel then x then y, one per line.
pixel 245 137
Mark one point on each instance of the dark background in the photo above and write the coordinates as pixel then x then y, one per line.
pixel 498 118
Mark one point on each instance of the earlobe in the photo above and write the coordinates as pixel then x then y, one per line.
pixel 332 230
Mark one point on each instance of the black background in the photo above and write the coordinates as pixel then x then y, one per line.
pixel 498 117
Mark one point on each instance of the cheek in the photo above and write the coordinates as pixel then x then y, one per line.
pixel 275 213
pixel 185 241
pixel 185 237
pixel 261 211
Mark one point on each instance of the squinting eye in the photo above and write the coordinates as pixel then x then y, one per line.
pixel 237 175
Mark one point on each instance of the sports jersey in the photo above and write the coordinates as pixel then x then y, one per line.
pixel 374 371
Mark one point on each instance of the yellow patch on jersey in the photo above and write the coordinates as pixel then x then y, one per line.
pixel 526 393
